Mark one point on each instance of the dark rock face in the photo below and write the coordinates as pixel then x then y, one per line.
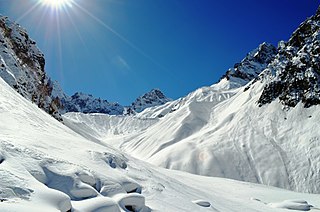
pixel 296 68
pixel 22 66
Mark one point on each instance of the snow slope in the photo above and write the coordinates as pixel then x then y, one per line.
pixel 45 166
pixel 232 138
pixel 258 124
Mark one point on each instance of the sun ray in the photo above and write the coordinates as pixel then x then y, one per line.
pixel 75 27
pixel 132 45
pixel 60 65
pixel 28 12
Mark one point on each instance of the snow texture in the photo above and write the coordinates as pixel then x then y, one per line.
pixel 45 166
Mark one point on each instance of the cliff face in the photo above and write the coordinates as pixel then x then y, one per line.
pixel 295 71
pixel 22 66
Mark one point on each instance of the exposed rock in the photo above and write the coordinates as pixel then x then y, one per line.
pixel 296 68
pixel 22 66
pixel 251 66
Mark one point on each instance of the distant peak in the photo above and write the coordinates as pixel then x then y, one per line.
pixel 155 91
pixel 152 98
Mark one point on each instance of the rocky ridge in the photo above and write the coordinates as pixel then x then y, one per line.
pixel 22 66
pixel 251 66
pixel 294 75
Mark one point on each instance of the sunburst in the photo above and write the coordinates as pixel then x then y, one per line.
pixel 57 4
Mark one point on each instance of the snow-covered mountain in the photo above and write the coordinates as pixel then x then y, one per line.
pixel 22 67
pixel 259 123
pixel 85 103
pixel 45 166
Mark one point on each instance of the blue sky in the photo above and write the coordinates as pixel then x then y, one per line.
pixel 120 49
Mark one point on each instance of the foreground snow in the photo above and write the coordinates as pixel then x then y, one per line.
pixel 45 166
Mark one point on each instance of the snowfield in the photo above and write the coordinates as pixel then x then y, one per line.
pixel 45 166
pixel 222 133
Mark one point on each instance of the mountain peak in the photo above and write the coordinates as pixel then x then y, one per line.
pixel 155 92
pixel 152 98
pixel 251 66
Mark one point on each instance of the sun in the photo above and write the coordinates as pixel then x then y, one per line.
pixel 57 4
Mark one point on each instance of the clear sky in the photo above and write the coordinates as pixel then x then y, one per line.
pixel 120 49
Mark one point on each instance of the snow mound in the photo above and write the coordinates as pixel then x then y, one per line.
pixel 98 204
pixel 299 205
pixel 131 202
pixel 202 203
